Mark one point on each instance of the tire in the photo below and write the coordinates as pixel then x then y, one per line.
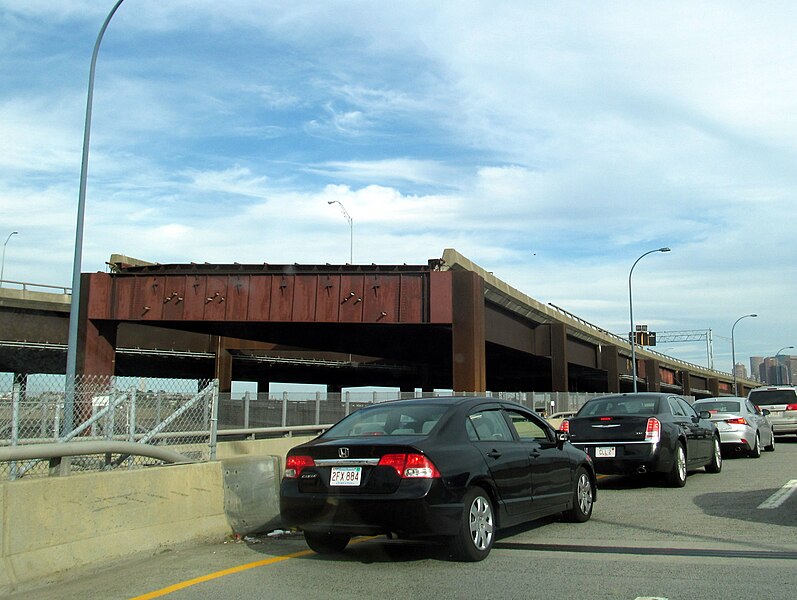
pixel 771 447
pixel 326 543
pixel 676 476
pixel 583 499
pixel 755 451
pixel 715 464
pixel 477 527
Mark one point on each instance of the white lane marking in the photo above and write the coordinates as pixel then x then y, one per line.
pixel 780 496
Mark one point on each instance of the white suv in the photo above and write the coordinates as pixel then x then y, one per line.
pixel 781 402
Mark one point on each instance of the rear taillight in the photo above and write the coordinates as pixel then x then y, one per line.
pixel 565 426
pixel 653 430
pixel 736 421
pixel 791 407
pixel 410 466
pixel 294 465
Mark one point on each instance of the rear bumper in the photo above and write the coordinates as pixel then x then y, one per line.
pixel 421 509
pixel 784 428
pixel 743 437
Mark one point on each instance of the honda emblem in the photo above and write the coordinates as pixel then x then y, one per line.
pixel 343 453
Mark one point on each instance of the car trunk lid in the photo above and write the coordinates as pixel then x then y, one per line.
pixel 608 428
pixel 356 466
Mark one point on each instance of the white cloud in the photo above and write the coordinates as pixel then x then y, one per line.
pixel 551 144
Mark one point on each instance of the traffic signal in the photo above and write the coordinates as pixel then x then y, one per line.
pixel 642 337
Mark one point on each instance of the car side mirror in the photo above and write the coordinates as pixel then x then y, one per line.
pixel 562 437
pixel 704 414
pixel 765 411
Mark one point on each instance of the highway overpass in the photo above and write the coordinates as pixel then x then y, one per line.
pixel 448 324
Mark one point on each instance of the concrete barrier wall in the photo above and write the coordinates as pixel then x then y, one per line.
pixel 53 526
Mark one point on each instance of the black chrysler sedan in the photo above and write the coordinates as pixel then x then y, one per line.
pixel 646 432
pixel 454 469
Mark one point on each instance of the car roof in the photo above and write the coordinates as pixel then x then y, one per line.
pixel 635 395
pixel 774 387
pixel 449 401
pixel 715 398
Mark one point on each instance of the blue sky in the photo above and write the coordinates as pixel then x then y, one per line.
pixel 550 143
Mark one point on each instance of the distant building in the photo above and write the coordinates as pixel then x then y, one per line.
pixel 755 367
pixel 740 371
pixel 778 370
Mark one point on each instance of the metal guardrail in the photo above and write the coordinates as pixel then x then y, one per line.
pixel 61 450
pixel 26 285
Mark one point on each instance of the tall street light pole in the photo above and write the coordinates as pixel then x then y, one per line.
pixel 351 229
pixel 74 308
pixel 631 312
pixel 733 352
pixel 3 262
pixel 786 368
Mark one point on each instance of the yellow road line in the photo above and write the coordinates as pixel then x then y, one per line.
pixel 231 571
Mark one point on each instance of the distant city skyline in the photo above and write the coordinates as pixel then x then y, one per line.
pixel 774 370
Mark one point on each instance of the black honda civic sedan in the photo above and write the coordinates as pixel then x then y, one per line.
pixel 646 432
pixel 453 469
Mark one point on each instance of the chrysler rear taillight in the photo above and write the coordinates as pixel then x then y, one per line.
pixel 294 465
pixel 653 430
pixel 410 466
pixel 736 421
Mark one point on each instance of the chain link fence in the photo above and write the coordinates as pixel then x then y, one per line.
pixel 183 415
pixel 37 409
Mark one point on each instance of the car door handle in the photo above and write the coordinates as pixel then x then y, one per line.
pixel 494 453
pixel 534 454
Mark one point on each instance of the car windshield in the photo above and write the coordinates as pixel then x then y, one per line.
pixel 723 406
pixel 389 419
pixel 620 405
pixel 767 397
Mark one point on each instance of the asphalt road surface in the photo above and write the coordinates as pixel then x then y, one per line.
pixel 733 534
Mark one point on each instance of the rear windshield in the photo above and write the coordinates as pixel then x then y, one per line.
pixel 723 406
pixel 389 419
pixel 768 397
pixel 622 405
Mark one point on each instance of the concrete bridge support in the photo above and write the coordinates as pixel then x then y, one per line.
pixel 610 362
pixel 559 372
pixel 652 375
pixel 223 364
pixel 468 332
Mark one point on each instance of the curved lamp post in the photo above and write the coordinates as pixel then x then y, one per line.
pixel 788 378
pixel 74 308
pixel 733 352
pixel 351 228
pixel 631 311
pixel 3 262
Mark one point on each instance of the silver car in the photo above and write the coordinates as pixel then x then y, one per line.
pixel 742 425
pixel 781 401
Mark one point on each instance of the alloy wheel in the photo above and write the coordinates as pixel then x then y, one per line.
pixel 584 494
pixel 482 526
pixel 681 459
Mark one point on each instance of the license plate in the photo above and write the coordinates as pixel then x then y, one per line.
pixel 604 452
pixel 345 476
